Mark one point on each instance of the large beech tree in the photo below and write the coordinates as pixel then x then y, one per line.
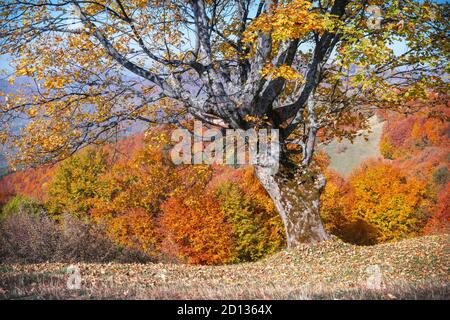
pixel 303 67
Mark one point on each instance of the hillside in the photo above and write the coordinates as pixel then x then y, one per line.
pixel 416 268
pixel 346 156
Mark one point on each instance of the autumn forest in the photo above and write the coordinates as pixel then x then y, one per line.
pixel 92 92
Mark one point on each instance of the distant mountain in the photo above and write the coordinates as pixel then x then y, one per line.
pixel 7 88
pixel 3 166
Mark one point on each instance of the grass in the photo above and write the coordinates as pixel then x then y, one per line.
pixel 345 156
pixel 410 269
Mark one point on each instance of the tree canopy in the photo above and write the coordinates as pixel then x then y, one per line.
pixel 299 66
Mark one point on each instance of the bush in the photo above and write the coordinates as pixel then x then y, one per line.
pixel 197 229
pixel 81 241
pixel 28 237
pixel 378 203
pixel 135 230
pixel 19 204
pixel 222 222
pixel 393 202
pixel 33 237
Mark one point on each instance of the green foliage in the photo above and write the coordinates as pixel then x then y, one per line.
pixel 257 232
pixel 21 204
pixel 76 183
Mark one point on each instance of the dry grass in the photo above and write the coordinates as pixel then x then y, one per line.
pixel 410 269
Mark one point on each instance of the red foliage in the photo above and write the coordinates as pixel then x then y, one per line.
pixel 420 145
pixel 440 220
pixel 32 182
pixel 29 182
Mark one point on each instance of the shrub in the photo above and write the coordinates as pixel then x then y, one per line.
pixel 21 204
pixel 230 219
pixel 135 230
pixel 30 237
pixel 378 203
pixel 198 229
pixel 82 241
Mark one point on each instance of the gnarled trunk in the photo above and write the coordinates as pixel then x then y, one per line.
pixel 296 192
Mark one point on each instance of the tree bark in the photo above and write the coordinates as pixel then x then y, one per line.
pixel 295 192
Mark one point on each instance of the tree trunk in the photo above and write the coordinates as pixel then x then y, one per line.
pixel 296 192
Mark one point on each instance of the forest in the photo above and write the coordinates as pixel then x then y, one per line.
pixel 220 214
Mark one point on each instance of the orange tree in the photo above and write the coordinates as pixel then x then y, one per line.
pixel 191 213
pixel 390 201
pixel 197 229
pixel 222 221
pixel 379 203
pixel 297 66
pixel 128 200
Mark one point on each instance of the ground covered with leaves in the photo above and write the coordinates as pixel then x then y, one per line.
pixel 409 269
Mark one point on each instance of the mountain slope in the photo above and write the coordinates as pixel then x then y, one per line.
pixel 345 156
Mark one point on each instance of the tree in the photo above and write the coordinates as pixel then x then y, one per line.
pixel 390 201
pixel 380 202
pixel 198 229
pixel 298 66
pixel 440 220
pixel 77 183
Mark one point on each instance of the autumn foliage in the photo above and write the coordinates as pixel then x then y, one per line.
pixel 403 195
pixel 216 214
pixel 32 182
pixel 195 214
pixel 197 229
